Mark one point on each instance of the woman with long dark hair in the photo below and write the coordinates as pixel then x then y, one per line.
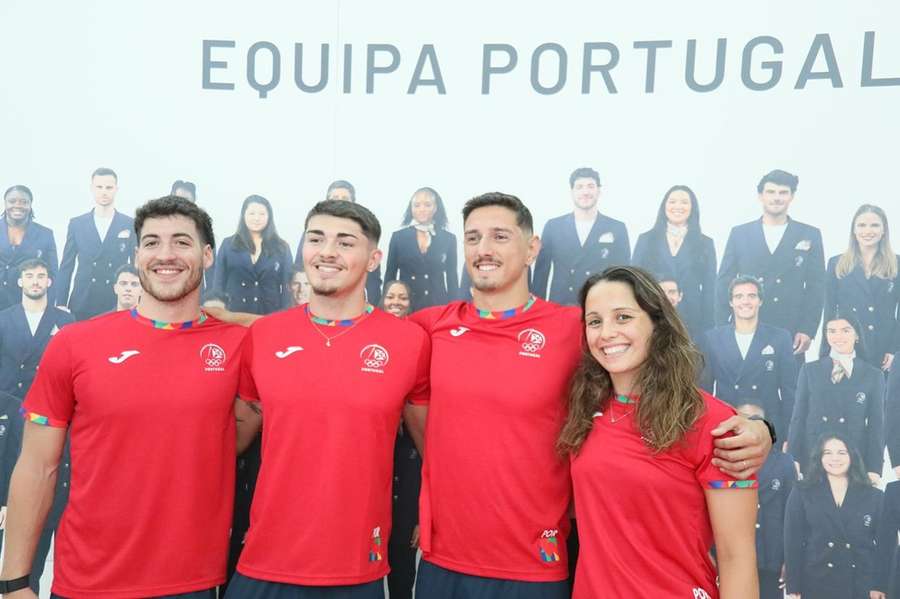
pixel 863 281
pixel 831 527
pixel 423 253
pixel 649 500
pixel 677 248
pixel 22 239
pixel 254 265
pixel 840 394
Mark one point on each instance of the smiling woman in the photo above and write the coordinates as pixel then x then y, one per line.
pixel 22 239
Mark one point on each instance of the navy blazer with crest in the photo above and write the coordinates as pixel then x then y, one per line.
pixel 20 351
pixel 262 287
pixel 830 551
pixel 853 408
pixel 11 425
pixel 572 263
pixel 767 376
pixel 694 268
pixel 432 276
pixel 793 277
pixel 37 242
pixel 873 301
pixel 98 261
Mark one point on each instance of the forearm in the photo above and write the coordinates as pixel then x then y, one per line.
pixel 737 575
pixel 30 497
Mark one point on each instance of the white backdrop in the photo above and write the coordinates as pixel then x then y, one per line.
pixel 120 85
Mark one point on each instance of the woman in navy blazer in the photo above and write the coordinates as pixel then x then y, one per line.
pixel 22 239
pixel 863 281
pixel 423 253
pixel 254 265
pixel 676 247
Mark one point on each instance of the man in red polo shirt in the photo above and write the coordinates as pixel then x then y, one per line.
pixel 147 396
pixel 495 493
pixel 331 379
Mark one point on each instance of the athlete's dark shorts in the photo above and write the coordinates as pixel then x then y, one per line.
pixel 207 594
pixel 434 582
pixel 244 587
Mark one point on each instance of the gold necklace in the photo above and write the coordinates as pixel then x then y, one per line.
pixel 612 418
pixel 329 339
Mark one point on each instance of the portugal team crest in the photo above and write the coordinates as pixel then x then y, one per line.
pixel 375 548
pixel 532 342
pixel 770 365
pixel 213 358
pixel 548 546
pixel 374 358
pixel 860 398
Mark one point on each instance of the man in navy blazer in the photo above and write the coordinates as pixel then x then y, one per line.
pixel 749 361
pixel 786 256
pixel 578 244
pixel 26 328
pixel 100 241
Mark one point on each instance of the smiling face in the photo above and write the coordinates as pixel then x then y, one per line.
pixel 776 199
pixel 497 250
pixel 104 188
pixel 300 288
pixel 835 458
pixel 841 336
pixel 337 255
pixel 678 207
pixel 256 217
pixel 396 300
pixel 18 207
pixel 171 258
pixel 868 230
pixel 34 282
pixel 745 301
pixel 618 332
pixel 585 193
pixel 128 291
pixel 423 208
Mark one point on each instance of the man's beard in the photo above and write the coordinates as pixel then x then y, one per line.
pixel 172 294
pixel 35 295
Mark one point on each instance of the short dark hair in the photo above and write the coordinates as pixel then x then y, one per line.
pixel 125 268
pixel 176 206
pixel 31 264
pixel 105 172
pixel 778 177
pixel 358 213
pixel 342 184
pixel 185 185
pixel 505 200
pixel 583 173
pixel 745 280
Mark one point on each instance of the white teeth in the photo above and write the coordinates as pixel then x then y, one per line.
pixel 487 267
pixel 324 268
pixel 618 349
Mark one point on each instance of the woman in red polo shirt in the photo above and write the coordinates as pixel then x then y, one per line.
pixel 650 502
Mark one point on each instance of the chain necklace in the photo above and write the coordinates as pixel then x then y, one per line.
pixel 315 321
pixel 619 399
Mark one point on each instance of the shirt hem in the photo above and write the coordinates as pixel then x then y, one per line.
pixel 178 589
pixel 318 581
pixel 472 570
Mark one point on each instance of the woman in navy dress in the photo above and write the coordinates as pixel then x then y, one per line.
pixel 676 247
pixel 22 239
pixel 831 527
pixel 863 281
pixel 423 253
pixel 254 265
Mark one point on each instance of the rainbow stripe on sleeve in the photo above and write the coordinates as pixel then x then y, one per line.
pixel 42 420
pixel 733 484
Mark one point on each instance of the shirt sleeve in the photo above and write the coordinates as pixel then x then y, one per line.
pixel 51 399
pixel 421 392
pixel 246 385
pixel 708 475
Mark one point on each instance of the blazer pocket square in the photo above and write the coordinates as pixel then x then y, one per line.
pixel 124 234
pixel 607 237
pixel 803 246
pixel 768 350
